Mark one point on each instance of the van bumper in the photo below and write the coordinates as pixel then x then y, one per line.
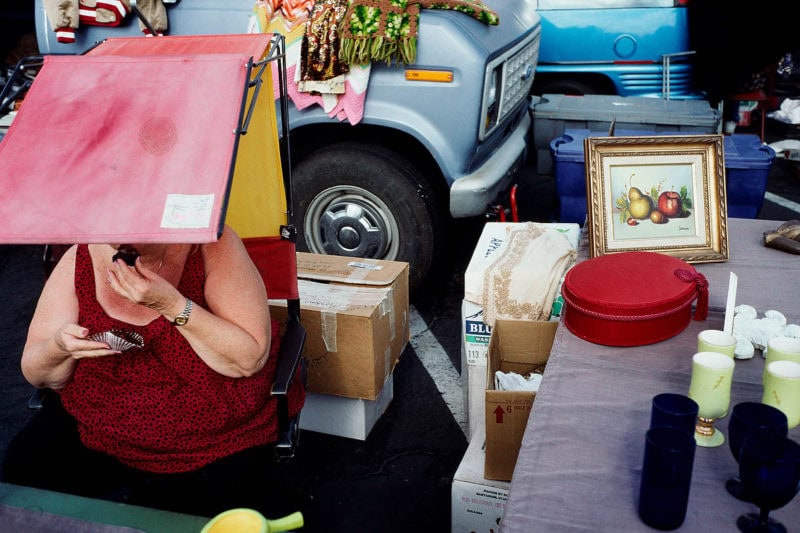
pixel 472 194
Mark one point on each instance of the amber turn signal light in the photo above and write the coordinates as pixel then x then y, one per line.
pixel 444 76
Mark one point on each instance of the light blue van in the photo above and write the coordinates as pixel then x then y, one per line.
pixel 623 47
pixel 443 138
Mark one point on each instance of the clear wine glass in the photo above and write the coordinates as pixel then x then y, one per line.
pixel 769 467
pixel 748 418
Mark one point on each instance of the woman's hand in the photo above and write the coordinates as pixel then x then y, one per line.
pixel 144 287
pixel 51 361
pixel 72 340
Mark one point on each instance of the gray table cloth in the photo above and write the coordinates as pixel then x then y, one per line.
pixel 579 466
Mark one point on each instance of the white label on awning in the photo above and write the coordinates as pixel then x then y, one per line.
pixel 187 211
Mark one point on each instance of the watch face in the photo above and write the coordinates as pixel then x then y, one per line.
pixel 181 320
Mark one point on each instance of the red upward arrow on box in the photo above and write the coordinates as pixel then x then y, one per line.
pixel 498 414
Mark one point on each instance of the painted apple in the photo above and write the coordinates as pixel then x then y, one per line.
pixel 669 203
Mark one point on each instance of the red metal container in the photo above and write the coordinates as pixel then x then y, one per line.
pixel 632 298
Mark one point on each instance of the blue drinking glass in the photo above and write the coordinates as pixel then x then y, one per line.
pixel 674 410
pixel 769 467
pixel 748 418
pixel 666 477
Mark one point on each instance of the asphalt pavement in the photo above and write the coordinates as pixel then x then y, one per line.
pixel 399 478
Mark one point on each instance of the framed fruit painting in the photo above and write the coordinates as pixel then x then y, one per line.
pixel 657 193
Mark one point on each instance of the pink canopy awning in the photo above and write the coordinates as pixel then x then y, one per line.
pixel 134 141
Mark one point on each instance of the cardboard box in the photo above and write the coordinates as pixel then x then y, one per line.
pixel 477 504
pixel 345 417
pixel 355 312
pixel 475 335
pixel 474 331
pixel 490 244
pixel 515 346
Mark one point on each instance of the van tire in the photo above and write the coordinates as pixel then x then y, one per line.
pixel 363 200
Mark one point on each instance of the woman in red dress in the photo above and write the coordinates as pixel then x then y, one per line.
pixel 183 422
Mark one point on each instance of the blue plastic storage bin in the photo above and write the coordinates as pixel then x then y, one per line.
pixel 747 167
pixel 554 114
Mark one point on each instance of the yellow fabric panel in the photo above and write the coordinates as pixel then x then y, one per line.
pixel 257 205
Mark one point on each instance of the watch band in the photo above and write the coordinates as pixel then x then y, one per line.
pixel 183 318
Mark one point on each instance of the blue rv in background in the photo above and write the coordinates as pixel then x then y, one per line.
pixel 622 47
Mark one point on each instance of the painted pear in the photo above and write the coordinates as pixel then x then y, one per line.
pixel 634 193
pixel 641 207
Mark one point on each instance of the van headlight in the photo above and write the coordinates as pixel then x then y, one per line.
pixel 493 98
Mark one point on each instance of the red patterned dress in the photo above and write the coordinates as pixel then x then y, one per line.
pixel 161 408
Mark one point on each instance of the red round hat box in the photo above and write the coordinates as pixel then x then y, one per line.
pixel 632 298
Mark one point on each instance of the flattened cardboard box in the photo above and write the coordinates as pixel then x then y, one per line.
pixel 355 312
pixel 519 346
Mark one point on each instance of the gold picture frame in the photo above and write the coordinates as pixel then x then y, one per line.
pixel 657 193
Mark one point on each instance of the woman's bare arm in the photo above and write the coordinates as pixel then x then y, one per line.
pixel 55 340
pixel 233 335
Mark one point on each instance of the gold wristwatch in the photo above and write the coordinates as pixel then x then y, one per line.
pixel 183 318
